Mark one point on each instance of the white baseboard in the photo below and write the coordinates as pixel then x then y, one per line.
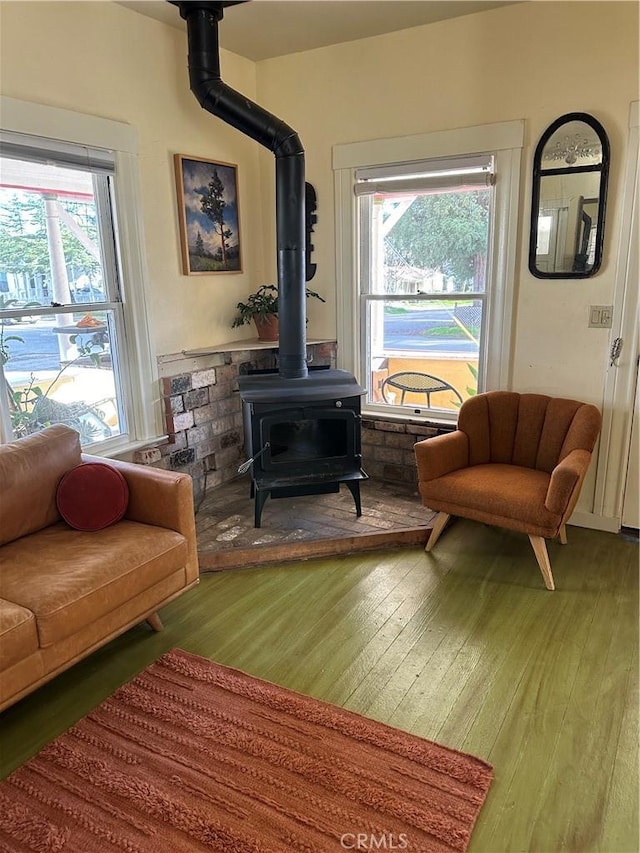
pixel 595 522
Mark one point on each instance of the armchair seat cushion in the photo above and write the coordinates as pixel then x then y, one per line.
pixel 68 578
pixel 505 495
pixel 18 634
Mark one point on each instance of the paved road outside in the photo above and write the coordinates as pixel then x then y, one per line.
pixel 37 351
pixel 403 332
pixel 410 331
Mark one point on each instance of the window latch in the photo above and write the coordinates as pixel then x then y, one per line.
pixel 616 349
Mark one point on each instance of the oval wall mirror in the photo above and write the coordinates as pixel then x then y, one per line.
pixel 570 172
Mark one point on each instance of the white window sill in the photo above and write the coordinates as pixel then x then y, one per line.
pixel 109 450
pixel 410 417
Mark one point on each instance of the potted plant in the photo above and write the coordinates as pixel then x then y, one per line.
pixel 262 308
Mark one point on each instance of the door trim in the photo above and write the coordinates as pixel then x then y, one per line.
pixel 619 388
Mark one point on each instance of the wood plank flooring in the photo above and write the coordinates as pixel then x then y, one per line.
pixel 464 646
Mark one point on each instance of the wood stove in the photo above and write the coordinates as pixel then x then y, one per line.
pixel 302 427
pixel 302 436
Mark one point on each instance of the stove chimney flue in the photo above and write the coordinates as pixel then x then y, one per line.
pixel 215 96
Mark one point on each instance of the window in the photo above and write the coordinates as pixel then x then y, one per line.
pixel 426 308
pixel 424 235
pixel 70 305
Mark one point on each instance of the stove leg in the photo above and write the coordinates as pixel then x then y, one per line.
pixel 354 488
pixel 260 499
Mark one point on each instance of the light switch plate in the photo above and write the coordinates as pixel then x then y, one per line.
pixel 600 316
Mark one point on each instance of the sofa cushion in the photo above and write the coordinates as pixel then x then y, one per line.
pixel 92 496
pixel 30 470
pixel 69 578
pixel 18 634
pixel 501 491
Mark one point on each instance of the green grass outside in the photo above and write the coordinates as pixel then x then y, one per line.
pixel 398 308
pixel 449 332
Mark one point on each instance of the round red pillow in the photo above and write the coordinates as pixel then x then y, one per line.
pixel 92 496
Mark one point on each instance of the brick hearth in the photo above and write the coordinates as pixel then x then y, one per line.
pixel 309 526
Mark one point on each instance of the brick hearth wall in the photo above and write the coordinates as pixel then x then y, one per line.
pixel 387 448
pixel 203 410
pixel 203 415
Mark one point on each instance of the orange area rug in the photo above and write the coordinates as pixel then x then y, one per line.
pixel 194 756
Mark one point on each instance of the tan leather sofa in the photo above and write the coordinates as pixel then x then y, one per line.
pixel 64 592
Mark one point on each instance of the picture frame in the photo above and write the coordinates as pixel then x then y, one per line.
pixel 208 215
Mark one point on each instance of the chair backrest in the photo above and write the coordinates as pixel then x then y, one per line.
pixel 531 430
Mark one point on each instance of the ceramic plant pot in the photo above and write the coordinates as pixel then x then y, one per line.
pixel 267 327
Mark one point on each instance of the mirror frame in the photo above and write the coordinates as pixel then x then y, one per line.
pixel 539 173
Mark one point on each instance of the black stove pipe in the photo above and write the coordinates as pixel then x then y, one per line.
pixel 237 110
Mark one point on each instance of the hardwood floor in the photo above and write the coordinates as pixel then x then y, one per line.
pixel 464 646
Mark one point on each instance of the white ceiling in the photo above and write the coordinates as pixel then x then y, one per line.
pixel 262 29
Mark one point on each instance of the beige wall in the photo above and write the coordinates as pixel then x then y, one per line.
pixel 532 61
pixel 103 59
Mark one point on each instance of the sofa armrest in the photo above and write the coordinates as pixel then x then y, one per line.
pixel 566 480
pixel 441 455
pixel 162 498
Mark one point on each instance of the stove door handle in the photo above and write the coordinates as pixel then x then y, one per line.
pixel 242 469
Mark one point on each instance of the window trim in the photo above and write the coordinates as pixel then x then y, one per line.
pixel 142 392
pixel 503 139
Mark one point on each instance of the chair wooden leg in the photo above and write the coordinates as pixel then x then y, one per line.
pixel 438 527
pixel 540 550
pixel 154 621
pixel 562 534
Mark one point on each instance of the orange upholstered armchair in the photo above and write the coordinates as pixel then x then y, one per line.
pixel 516 461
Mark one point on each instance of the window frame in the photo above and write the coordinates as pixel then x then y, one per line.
pixel 504 141
pixel 140 377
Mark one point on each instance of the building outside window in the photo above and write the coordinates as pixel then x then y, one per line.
pixel 73 340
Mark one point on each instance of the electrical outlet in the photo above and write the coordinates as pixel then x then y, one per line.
pixel 600 316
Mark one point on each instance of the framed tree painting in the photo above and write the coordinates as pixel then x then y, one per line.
pixel 208 215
